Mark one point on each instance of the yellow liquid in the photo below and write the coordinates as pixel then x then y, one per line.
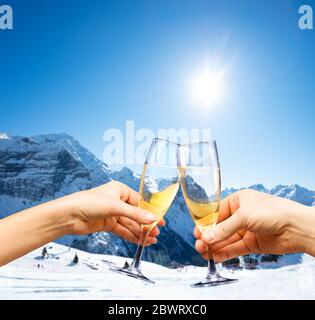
pixel 158 202
pixel 204 213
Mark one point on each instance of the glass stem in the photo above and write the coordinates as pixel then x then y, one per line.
pixel 137 258
pixel 212 270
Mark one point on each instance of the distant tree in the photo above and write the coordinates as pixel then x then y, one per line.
pixel 44 252
pixel 75 259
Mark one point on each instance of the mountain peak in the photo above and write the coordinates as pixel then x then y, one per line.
pixel 294 192
pixel 258 187
pixel 296 187
pixel 126 171
pixel 292 187
pixel 52 137
pixel 4 136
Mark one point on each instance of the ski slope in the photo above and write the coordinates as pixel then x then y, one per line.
pixel 31 277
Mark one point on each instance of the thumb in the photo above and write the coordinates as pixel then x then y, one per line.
pixel 121 208
pixel 224 229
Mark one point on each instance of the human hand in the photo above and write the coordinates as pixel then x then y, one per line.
pixel 111 207
pixel 255 222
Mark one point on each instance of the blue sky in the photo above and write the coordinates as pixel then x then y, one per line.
pixel 83 67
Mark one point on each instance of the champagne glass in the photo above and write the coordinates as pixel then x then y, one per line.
pixel 199 172
pixel 158 187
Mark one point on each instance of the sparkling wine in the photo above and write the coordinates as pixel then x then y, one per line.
pixel 196 183
pixel 153 198
pixel 203 214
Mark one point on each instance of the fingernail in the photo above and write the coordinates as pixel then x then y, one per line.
pixel 208 236
pixel 150 217
pixel 154 240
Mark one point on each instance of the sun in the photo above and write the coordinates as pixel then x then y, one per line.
pixel 207 87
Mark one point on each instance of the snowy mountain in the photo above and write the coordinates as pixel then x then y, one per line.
pixel 4 136
pixel 293 192
pixel 296 193
pixel 40 168
pixel 44 167
pixel 62 276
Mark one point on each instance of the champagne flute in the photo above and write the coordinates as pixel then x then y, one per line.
pixel 158 187
pixel 199 172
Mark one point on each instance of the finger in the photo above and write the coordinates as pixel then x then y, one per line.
pixel 133 226
pixel 154 232
pixel 217 246
pixel 224 229
pixel 120 208
pixel 231 251
pixel 197 233
pixel 162 223
pixel 150 241
pixel 200 246
pixel 125 233
pixel 228 206
pixel 129 195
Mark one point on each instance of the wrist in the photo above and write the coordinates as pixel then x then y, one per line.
pixel 303 227
pixel 62 216
pixel 310 247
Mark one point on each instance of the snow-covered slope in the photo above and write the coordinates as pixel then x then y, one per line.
pixel 56 277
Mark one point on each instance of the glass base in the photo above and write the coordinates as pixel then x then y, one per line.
pixel 213 280
pixel 132 272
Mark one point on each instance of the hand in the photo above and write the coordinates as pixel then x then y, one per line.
pixel 112 208
pixel 255 222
